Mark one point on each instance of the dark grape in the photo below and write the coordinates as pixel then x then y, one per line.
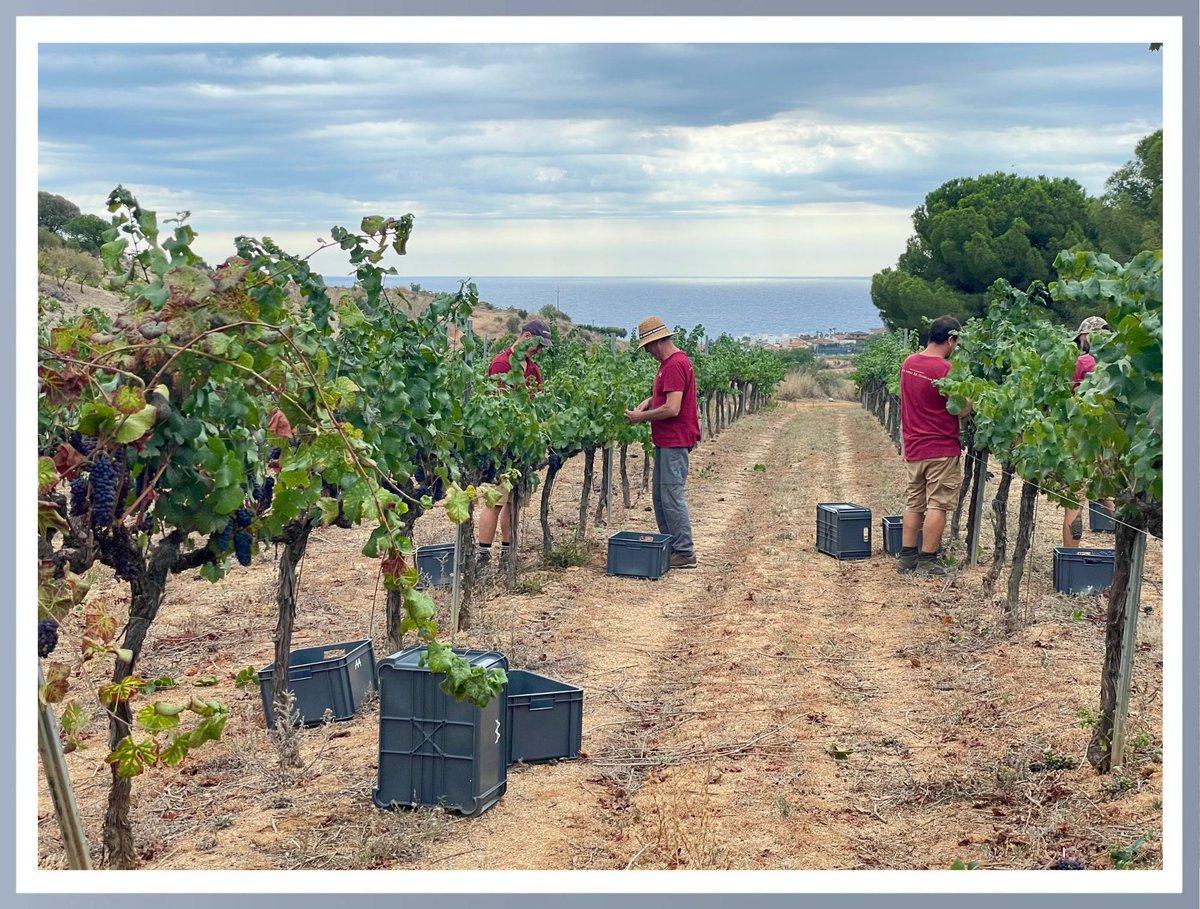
pixel 1066 864
pixel 104 491
pixel 79 496
pixel 47 637
pixel 437 492
pixel 242 517
pixel 275 454
pixel 118 550
pixel 85 445
pixel 223 537
pixel 264 495
pixel 242 547
pixel 555 460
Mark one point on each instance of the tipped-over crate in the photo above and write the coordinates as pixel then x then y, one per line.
pixel 336 677
pixel 434 750
pixel 637 554
pixel 844 530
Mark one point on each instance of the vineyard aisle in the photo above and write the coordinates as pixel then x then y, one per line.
pixel 778 709
pixel 772 709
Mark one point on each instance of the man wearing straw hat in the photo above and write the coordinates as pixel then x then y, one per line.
pixel 674 422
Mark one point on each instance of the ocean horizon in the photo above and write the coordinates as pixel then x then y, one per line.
pixel 754 307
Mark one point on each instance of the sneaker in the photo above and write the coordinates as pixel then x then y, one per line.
pixel 683 560
pixel 930 568
pixel 907 563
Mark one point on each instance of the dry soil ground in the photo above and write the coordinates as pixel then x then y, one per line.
pixel 772 709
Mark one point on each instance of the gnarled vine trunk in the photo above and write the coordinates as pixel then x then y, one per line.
pixel 295 542
pixel 589 463
pixel 1012 614
pixel 547 486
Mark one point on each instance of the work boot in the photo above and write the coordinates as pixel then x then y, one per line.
pixel 908 560
pixel 683 560
pixel 928 566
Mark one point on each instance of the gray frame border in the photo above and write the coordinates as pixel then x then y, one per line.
pixel 1187 9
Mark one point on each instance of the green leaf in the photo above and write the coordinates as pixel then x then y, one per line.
pixel 111 253
pixel 133 757
pixel 136 425
pixel 246 676
pixel 458 502
pixel 152 719
pixel 329 510
pixel 174 754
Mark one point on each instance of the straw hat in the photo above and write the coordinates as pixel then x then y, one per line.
pixel 1089 325
pixel 652 329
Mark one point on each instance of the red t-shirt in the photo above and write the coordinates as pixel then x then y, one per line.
pixel 502 363
pixel 675 373
pixel 929 430
pixel 1085 364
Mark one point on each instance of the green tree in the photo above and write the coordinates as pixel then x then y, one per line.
pixel 971 231
pixel 87 231
pixel 1129 214
pixel 55 211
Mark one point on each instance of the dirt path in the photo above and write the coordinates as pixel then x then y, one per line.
pixel 772 709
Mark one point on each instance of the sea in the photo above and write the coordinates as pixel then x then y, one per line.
pixel 761 309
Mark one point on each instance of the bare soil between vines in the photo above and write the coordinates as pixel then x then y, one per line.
pixel 772 709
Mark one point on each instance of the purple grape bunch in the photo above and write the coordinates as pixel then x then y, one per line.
pixel 47 637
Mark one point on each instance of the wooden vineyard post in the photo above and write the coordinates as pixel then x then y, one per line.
pixel 59 783
pixel 975 515
pixel 456 577
pixel 1133 595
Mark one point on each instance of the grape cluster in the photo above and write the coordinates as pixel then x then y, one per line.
pixel 47 637
pixel 85 445
pixel 243 544
pixel 1066 864
pixel 222 539
pixel 118 550
pixel 242 517
pixel 264 493
pixel 79 496
pixel 275 454
pixel 555 460
pixel 104 491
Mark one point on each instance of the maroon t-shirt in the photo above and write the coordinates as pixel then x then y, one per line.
pixel 502 363
pixel 1085 364
pixel 682 430
pixel 929 430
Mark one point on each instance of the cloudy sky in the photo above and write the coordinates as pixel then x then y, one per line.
pixel 582 159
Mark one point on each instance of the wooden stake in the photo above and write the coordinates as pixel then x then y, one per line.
pixel 1133 596
pixel 59 783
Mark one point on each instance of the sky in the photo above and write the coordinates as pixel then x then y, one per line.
pixel 581 159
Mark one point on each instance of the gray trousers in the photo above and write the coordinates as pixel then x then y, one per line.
pixel 670 508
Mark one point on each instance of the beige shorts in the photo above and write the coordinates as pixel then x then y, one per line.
pixel 503 500
pixel 933 483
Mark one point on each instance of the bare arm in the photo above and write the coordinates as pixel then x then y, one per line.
pixel 666 410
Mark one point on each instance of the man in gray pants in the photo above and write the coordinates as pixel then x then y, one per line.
pixel 674 422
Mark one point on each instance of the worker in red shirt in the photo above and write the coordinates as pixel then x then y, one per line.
pixel 932 450
pixel 535 337
pixel 1073 517
pixel 674 422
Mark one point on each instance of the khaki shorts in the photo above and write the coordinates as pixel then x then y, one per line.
pixel 503 500
pixel 933 483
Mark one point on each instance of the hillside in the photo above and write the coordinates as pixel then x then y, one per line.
pixel 487 321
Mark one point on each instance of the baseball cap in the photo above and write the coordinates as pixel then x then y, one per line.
pixel 1089 325
pixel 539 329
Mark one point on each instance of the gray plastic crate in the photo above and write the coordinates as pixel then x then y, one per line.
pixel 1099 518
pixel 1083 572
pixel 636 554
pixel 844 530
pixel 335 677
pixel 545 718
pixel 892 530
pixel 435 565
pixel 434 750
